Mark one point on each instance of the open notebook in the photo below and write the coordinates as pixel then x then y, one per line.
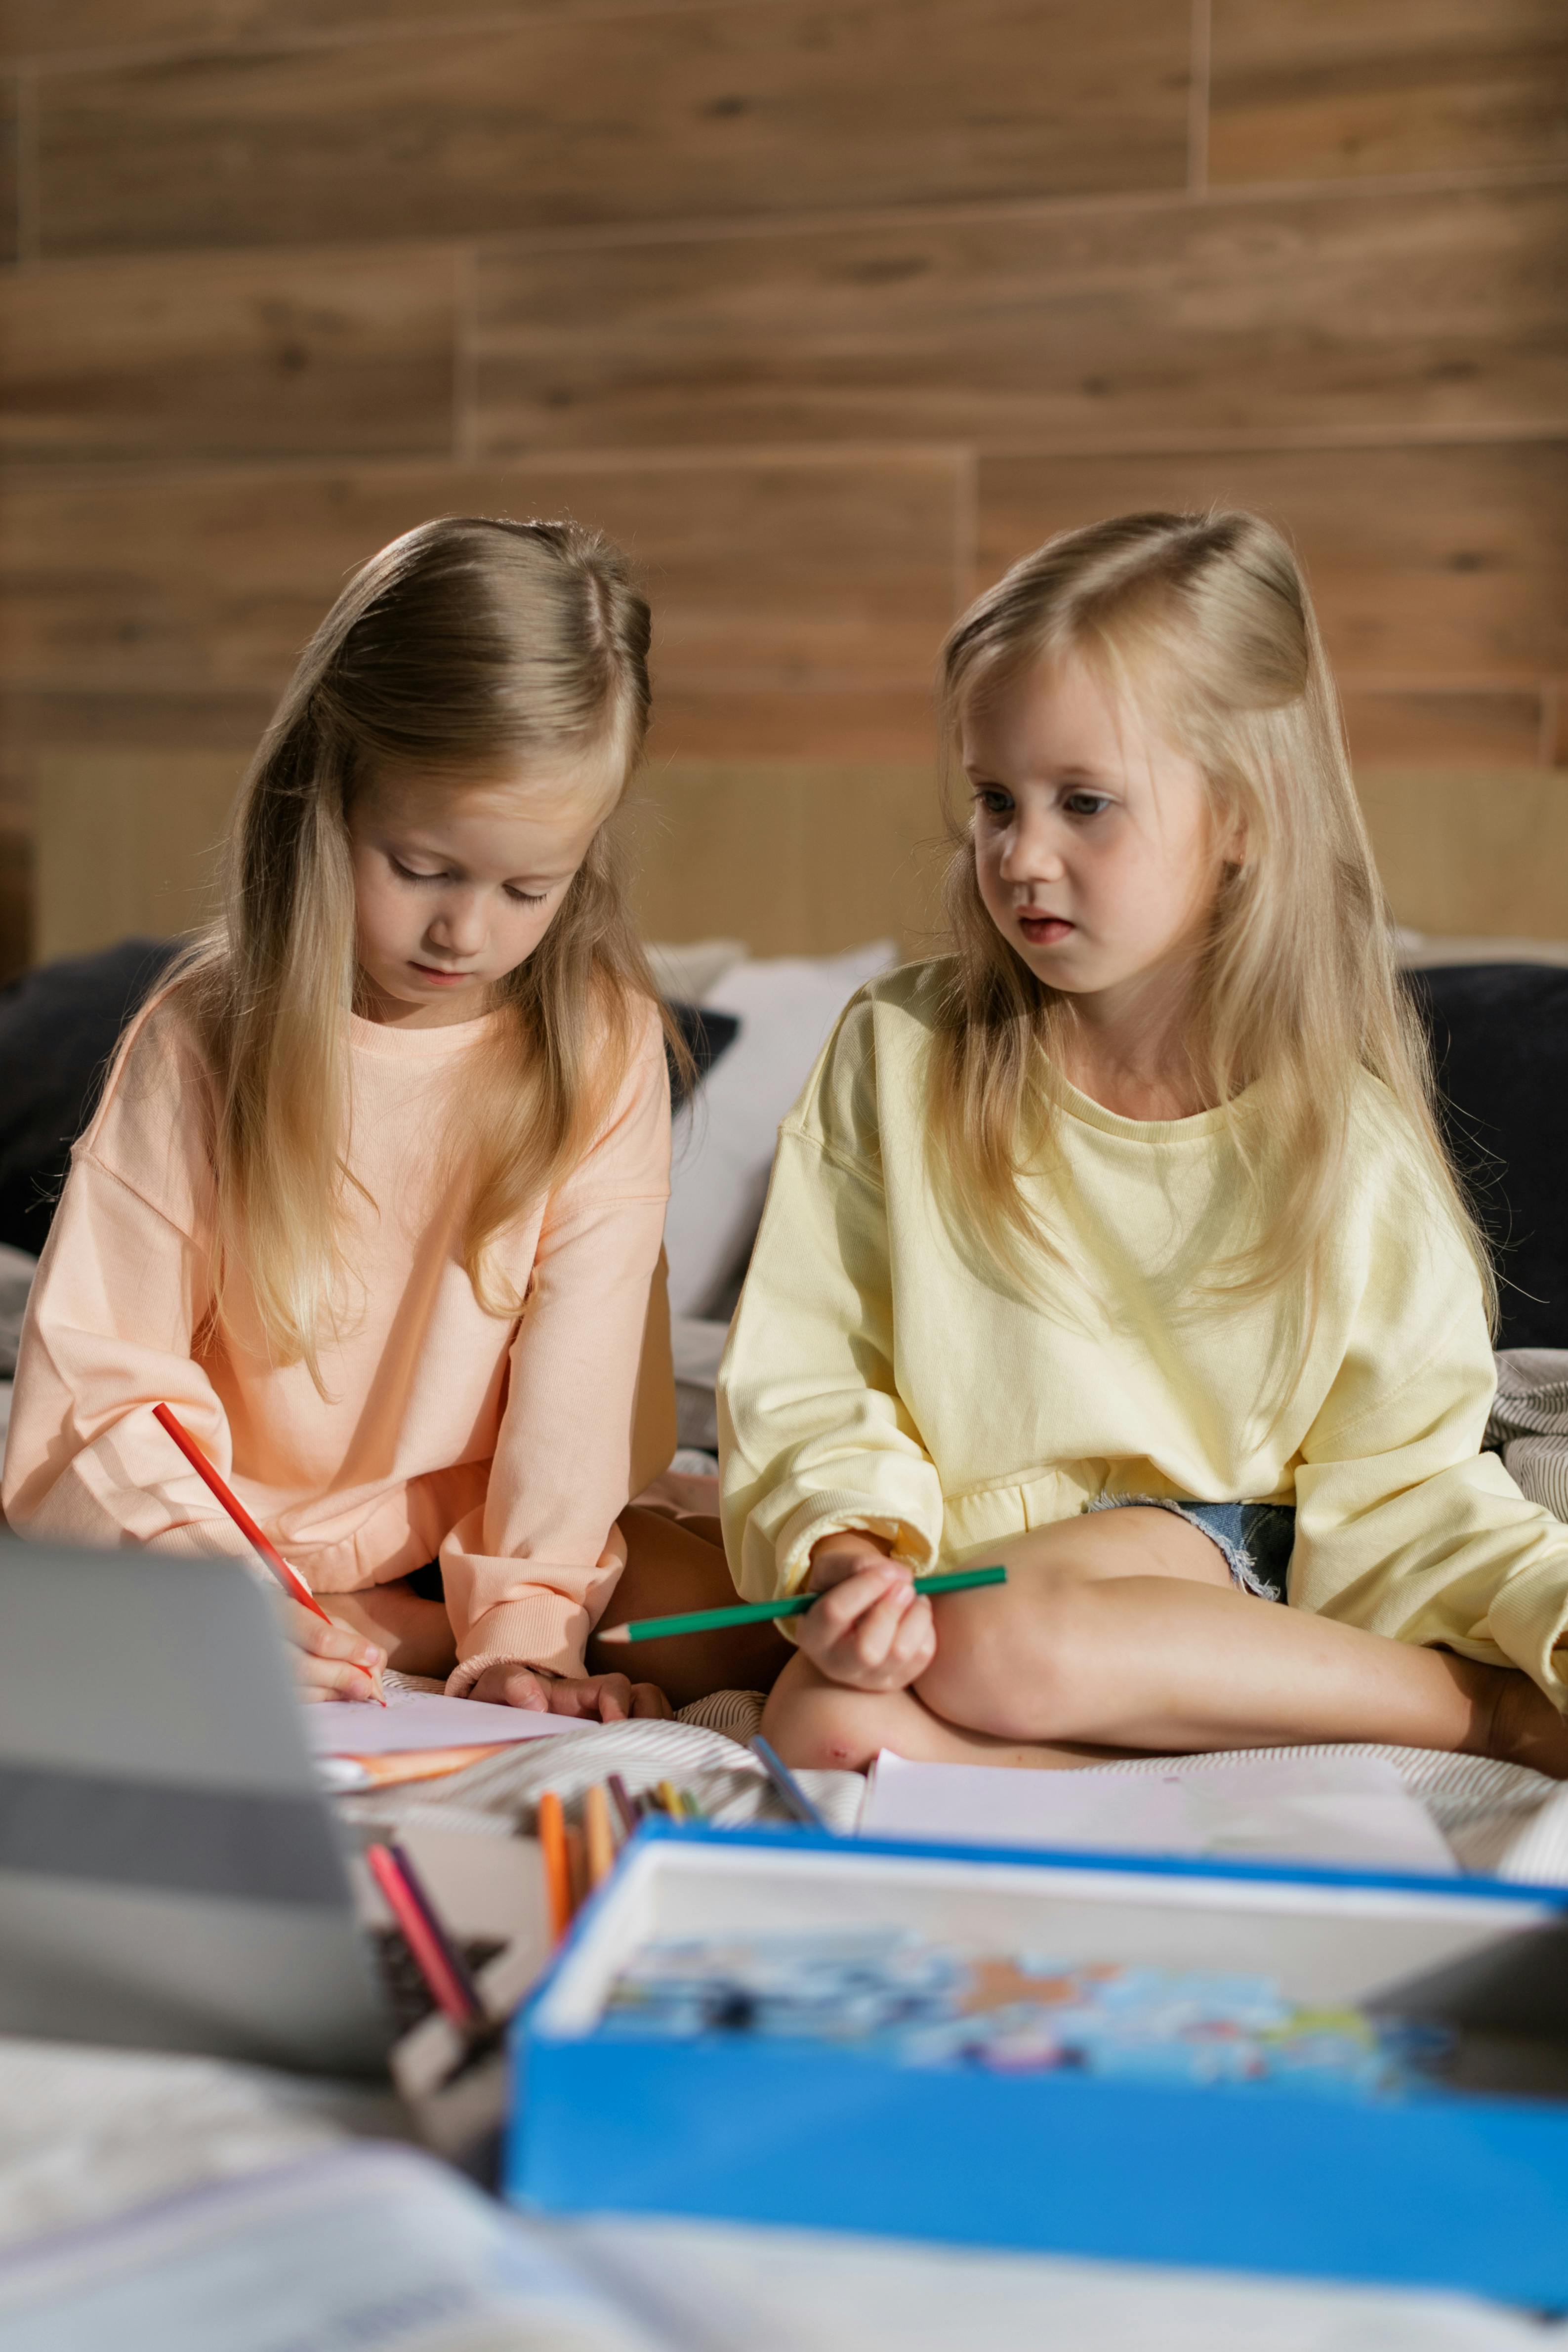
pixel 416 1720
pixel 1353 1810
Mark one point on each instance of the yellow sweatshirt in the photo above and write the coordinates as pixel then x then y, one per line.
pixel 505 1447
pixel 873 1379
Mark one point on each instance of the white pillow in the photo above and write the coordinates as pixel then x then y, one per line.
pixel 724 1144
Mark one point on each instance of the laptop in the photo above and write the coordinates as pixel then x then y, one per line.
pixel 171 1875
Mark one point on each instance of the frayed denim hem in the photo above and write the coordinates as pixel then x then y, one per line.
pixel 1237 1558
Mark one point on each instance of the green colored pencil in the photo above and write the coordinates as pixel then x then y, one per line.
pixel 759 1612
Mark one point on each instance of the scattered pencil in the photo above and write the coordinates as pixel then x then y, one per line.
pixel 447 1989
pixel 350 1772
pixel 577 1867
pixel 759 1612
pixel 597 1836
pixel 287 1576
pixel 669 1798
pixel 557 1868
pixel 622 1803
pixel 456 1966
pixel 786 1787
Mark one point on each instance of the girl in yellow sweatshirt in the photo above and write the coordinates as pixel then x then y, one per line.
pixel 375 1192
pixel 1120 1246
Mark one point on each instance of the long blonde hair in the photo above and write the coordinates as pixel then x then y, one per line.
pixel 464 642
pixel 1201 621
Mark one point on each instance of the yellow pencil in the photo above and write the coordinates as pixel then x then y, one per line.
pixel 669 1798
pixel 597 1835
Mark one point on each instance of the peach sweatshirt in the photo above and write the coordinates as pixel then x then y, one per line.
pixel 504 1447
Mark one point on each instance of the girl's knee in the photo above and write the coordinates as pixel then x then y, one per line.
pixel 1020 1666
pixel 822 1726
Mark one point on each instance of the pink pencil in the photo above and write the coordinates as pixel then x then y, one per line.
pixel 445 1988
pixel 293 1584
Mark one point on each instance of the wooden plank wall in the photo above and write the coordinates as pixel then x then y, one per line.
pixel 829 311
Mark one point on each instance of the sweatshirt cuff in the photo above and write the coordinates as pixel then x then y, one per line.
pixel 834 1513
pixel 540 1630
pixel 1528 1620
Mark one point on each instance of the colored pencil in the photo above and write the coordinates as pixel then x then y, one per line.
pixel 444 1990
pixel 577 1866
pixel 293 1584
pixel 557 1869
pixel 391 1771
pixel 597 1837
pixel 622 1803
pixel 669 1798
pixel 456 1965
pixel 759 1612
pixel 791 1795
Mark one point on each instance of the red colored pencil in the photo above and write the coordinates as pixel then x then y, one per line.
pixel 293 1584
pixel 430 1959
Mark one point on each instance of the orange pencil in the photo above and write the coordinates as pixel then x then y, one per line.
pixel 420 1764
pixel 289 1577
pixel 597 1836
pixel 557 1869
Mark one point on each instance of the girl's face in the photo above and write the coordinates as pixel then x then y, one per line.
pixel 455 886
pixel 1094 844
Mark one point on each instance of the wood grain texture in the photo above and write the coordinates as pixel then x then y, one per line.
pixel 1314 89
pixel 1441 564
pixel 153 820
pixel 710 719
pixel 795 858
pixel 10 189
pixel 252 354
pixel 1446 729
pixel 1079 327
pixel 716 112
pixel 74 718
pixel 58 29
pixel 814 576
pixel 16 897
pixel 1483 852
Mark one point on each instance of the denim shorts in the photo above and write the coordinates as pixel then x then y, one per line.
pixel 1256 1539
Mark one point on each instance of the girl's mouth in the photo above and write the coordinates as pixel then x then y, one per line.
pixel 442 979
pixel 1045 931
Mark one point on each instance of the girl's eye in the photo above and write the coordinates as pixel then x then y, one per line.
pixel 408 874
pixel 1086 804
pixel 994 801
pixel 527 897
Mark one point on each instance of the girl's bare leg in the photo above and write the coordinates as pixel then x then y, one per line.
pixel 812 1721
pixel 675 1565
pixel 415 1634
pixel 1123 1631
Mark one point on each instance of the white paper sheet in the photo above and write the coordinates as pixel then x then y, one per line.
pixel 419 1719
pixel 1354 1810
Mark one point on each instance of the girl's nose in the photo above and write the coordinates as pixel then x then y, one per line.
pixel 1032 855
pixel 459 927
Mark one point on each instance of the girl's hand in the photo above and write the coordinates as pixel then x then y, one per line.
pixel 872 1630
pixel 595 1699
pixel 329 1661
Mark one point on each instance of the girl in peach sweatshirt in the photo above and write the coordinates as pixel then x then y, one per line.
pixel 375 1192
